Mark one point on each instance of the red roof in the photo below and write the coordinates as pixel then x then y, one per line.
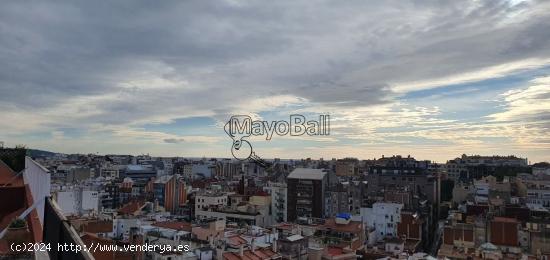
pixel 332 251
pixel 236 241
pixel 352 227
pixel 131 207
pixel 98 227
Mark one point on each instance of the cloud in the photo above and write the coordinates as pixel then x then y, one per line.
pixel 174 140
pixel 110 68
pixel 530 104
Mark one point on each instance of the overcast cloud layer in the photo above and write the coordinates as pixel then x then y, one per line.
pixel 429 78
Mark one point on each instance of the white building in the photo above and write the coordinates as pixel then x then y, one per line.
pixel 481 191
pixel 210 199
pixel 538 193
pixel 383 217
pixel 78 201
pixel 278 192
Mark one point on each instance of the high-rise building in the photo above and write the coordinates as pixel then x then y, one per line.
pixel 169 191
pixel 306 189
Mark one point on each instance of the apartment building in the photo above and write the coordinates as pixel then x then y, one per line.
pixel 306 190
pixel 279 198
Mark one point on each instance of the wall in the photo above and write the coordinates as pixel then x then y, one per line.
pixel 39 180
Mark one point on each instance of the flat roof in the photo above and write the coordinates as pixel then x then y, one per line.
pixel 307 173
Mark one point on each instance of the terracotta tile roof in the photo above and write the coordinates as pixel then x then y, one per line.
pixel 352 227
pixel 231 256
pixel 269 252
pixel 285 226
pixel 261 254
pixel 237 241
pixel 251 255
pixel 98 227
pixel 131 207
pixel 332 251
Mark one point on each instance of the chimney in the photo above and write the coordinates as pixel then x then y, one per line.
pixel 219 253
pixel 241 250
pixel 274 245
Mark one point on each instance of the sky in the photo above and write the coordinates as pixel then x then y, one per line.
pixel 430 79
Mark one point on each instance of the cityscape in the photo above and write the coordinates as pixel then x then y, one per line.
pixel 275 130
pixel 392 207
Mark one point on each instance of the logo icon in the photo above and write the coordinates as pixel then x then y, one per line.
pixel 240 127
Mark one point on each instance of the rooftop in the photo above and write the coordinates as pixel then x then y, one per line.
pixel 307 173
pixel 351 227
pixel 164 179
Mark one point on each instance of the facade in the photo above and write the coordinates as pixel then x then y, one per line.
pixel 347 167
pixel 476 166
pixel 78 201
pixel 169 191
pixel 383 217
pixel 538 193
pixel 504 234
pixel 208 200
pixel 417 180
pixel 227 169
pixel 306 190
pixel 279 197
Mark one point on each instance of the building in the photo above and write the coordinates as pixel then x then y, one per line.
pixel 139 173
pixel 77 201
pixel 458 241
pixel 279 197
pixel 476 166
pixel 417 180
pixel 227 169
pixel 347 167
pixel 169 191
pixel 410 229
pixel 538 192
pixel 306 190
pixel 383 217
pixel 208 200
pixel 253 210
pixel 504 233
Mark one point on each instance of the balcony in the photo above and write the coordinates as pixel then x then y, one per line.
pixel 58 231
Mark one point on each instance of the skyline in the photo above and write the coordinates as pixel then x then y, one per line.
pixel 433 80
